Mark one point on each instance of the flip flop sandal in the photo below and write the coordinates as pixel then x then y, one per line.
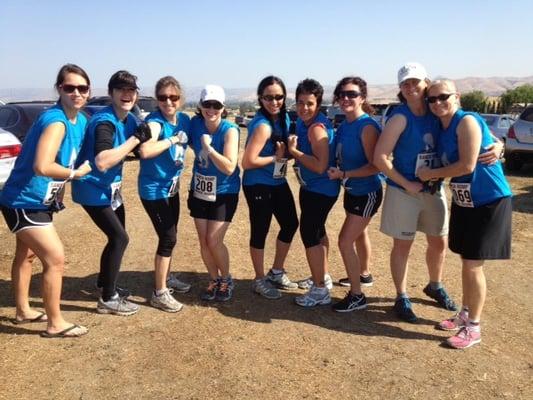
pixel 65 333
pixel 39 318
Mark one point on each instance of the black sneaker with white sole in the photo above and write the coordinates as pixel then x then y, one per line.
pixel 351 303
pixel 366 280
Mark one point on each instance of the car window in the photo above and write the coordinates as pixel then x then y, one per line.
pixel 504 123
pixel 489 119
pixel 147 105
pixel 527 114
pixel 8 117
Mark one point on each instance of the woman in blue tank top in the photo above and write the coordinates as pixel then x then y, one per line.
pixel 35 190
pixel 356 139
pixel 111 135
pixel 480 220
pixel 266 189
pixel 313 149
pixel 215 185
pixel 159 179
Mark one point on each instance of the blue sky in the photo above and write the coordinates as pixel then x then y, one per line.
pixel 236 43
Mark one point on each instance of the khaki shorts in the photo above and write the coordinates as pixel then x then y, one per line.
pixel 404 213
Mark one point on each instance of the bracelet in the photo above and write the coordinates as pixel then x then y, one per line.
pixel 71 175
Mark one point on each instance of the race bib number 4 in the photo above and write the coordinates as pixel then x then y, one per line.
pixel 280 168
pixel 205 187
pixel 461 194
pixel 116 195
pixel 425 160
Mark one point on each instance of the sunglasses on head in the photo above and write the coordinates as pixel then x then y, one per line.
pixel 351 94
pixel 212 104
pixel 440 97
pixel 270 97
pixel 173 98
pixel 82 89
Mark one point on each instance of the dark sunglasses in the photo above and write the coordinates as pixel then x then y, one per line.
pixel 212 104
pixel 173 98
pixel 270 97
pixel 82 89
pixel 441 97
pixel 351 94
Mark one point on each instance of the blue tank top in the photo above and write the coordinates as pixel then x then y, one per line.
pixel 158 176
pixel 205 173
pixel 351 155
pixel 309 180
pixel 99 188
pixel 487 183
pixel 417 141
pixel 24 189
pixel 265 175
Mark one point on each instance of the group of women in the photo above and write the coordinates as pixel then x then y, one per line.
pixel 426 147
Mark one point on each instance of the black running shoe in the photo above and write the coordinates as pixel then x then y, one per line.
pixel 351 303
pixel 366 280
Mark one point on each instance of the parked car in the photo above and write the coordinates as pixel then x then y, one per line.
pixel 17 117
pixel 244 120
pixel 519 141
pixel 498 124
pixel 387 113
pixel 9 150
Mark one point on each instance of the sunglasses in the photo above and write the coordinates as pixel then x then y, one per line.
pixel 82 89
pixel 212 104
pixel 440 97
pixel 270 97
pixel 351 94
pixel 173 98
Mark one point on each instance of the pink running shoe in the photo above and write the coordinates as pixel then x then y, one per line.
pixel 454 323
pixel 466 338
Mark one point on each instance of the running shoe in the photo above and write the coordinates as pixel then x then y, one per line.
pixel 166 301
pixel 351 303
pixel 441 296
pixel 211 291
pixel 404 310
pixel 366 280
pixel 314 297
pixel 308 282
pixel 281 280
pixel 466 337
pixel 179 286
pixel 225 289
pixel 117 305
pixel 264 288
pixel 454 323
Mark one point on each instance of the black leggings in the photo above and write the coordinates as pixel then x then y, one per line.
pixel 113 224
pixel 265 201
pixel 164 214
pixel 315 208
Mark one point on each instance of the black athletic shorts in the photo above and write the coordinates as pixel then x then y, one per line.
pixel 222 209
pixel 482 233
pixel 18 219
pixel 365 205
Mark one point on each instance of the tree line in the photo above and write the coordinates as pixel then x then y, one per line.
pixel 506 103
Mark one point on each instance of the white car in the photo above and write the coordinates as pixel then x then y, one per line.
pixel 498 124
pixel 9 150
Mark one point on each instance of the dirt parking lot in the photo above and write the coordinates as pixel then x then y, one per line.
pixel 263 349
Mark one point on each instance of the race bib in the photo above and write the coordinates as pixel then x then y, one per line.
pixel 54 193
pixel 116 195
pixel 205 187
pixel 461 194
pixel 425 160
pixel 298 173
pixel 280 168
pixel 174 187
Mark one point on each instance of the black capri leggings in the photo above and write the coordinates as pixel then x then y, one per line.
pixel 164 214
pixel 265 201
pixel 113 224
pixel 315 208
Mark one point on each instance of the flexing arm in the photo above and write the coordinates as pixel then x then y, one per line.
pixel 319 159
pixel 251 158
pixel 108 156
pixel 226 162
pixel 47 148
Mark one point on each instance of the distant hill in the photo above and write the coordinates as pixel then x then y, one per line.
pixel 493 86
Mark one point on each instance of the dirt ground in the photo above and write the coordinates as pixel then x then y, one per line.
pixel 257 348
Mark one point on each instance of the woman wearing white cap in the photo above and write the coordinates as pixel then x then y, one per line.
pixel 215 185
pixel 409 206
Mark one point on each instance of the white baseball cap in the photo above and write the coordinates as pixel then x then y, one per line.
pixel 213 92
pixel 412 70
